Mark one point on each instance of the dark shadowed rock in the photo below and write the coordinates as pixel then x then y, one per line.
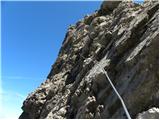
pixel 110 5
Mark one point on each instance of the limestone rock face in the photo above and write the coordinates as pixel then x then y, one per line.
pixel 152 113
pixel 121 37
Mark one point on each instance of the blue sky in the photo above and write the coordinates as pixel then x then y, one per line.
pixel 31 36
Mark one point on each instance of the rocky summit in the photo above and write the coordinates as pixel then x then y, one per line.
pixel 120 42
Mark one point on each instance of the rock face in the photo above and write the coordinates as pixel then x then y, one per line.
pixel 123 38
pixel 152 113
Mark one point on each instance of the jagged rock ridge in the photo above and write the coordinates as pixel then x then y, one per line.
pixel 123 38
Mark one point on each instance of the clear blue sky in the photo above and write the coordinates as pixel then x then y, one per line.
pixel 32 33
